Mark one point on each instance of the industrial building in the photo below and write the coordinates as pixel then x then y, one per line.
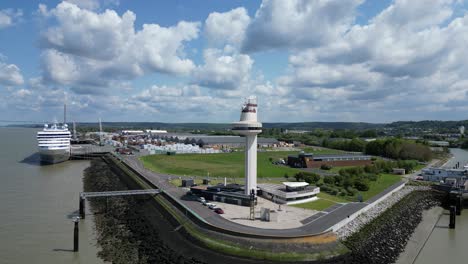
pixel 230 193
pixel 440 174
pixel 289 192
pixel 310 160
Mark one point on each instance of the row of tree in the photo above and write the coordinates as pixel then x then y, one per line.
pixel 395 148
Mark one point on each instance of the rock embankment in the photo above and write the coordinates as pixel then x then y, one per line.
pixel 366 217
pixel 384 237
pixel 124 234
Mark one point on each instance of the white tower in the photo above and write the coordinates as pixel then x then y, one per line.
pixel 250 128
pixel 462 130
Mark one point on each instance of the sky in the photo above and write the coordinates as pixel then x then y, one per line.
pixel 196 61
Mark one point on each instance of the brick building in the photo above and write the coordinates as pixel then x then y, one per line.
pixel 309 160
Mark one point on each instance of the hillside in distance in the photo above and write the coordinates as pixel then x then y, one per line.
pixel 434 125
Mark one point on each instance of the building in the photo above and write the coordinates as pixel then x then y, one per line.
pixel 219 142
pixel 155 132
pixel 310 160
pixel 436 143
pixel 399 171
pixel 249 127
pixel 289 192
pixel 230 193
pixel 440 174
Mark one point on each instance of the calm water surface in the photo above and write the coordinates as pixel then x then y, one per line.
pixel 447 245
pixel 37 203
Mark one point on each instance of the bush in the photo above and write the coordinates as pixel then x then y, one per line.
pixel 329 179
pixel 361 185
pixel 311 177
pixel 372 177
pixel 325 167
pixel 299 176
pixel 351 191
pixel 342 194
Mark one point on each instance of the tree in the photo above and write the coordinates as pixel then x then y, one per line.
pixel 299 176
pixel 311 178
pixel 361 185
pixel 329 180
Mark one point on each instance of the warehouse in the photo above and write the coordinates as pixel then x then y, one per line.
pixel 218 142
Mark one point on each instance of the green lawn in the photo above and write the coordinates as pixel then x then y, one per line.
pixel 376 187
pixel 218 165
pixel 318 205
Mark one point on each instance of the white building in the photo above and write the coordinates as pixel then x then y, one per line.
pixel 440 174
pixel 289 192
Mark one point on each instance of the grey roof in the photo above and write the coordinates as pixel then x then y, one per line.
pixel 334 156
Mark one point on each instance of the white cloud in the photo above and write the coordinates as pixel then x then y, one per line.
pixel 8 17
pixel 227 28
pixel 86 4
pixel 87 48
pixel 298 23
pixel 10 74
pixel 222 71
pixel 408 59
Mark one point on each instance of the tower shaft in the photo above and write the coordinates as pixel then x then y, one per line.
pixel 250 163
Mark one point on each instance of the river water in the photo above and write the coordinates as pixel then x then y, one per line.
pixel 448 245
pixel 37 203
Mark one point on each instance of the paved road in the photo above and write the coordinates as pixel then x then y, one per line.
pixel 316 225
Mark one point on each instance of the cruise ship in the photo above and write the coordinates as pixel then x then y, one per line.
pixel 54 143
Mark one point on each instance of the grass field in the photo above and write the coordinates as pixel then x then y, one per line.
pixel 229 165
pixel 318 205
pixel 326 200
pixel 376 187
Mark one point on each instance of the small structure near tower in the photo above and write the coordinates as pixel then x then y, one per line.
pixel 249 127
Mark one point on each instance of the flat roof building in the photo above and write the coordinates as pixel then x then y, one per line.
pixel 310 160
pixel 289 192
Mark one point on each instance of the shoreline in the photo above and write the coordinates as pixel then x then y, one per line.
pixel 421 234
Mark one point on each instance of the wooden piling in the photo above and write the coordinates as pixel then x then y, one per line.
pixel 452 217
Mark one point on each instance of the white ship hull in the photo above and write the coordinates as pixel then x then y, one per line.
pixel 52 156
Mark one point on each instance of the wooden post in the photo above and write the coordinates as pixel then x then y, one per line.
pixel 452 217
pixel 458 204
pixel 75 235
pixel 82 207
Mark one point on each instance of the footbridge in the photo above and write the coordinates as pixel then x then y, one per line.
pixel 85 195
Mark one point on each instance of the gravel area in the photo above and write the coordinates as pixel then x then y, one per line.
pixel 376 210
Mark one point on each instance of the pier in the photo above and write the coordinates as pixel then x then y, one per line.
pixel 85 195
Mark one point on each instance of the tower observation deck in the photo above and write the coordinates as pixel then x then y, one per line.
pixel 249 127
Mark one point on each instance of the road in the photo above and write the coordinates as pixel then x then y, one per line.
pixel 314 226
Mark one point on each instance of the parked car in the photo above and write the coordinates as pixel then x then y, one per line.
pixel 202 200
pixel 211 205
pixel 218 211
